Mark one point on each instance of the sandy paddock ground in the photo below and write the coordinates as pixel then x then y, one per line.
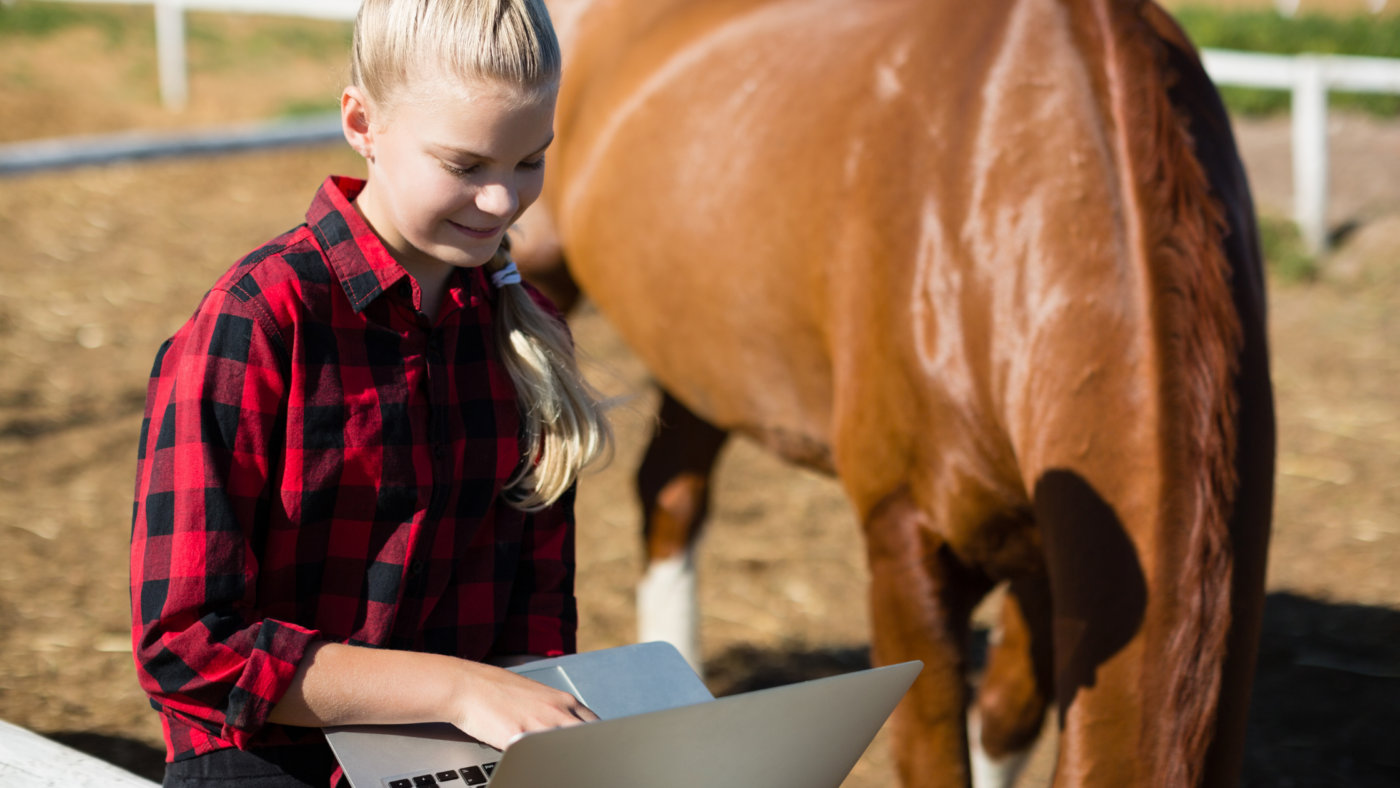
pixel 98 265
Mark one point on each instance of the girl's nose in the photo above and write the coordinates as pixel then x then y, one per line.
pixel 497 199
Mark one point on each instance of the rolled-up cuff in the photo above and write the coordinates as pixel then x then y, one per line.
pixel 270 668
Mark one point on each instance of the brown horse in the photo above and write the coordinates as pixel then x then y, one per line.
pixel 994 265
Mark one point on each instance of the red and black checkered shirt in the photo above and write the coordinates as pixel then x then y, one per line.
pixel 317 462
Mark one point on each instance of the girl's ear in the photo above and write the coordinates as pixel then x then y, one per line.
pixel 355 122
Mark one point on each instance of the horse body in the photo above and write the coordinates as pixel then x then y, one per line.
pixel 846 251
pixel 960 255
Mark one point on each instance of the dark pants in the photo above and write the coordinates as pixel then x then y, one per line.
pixel 298 766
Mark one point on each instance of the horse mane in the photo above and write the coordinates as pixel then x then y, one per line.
pixel 1199 337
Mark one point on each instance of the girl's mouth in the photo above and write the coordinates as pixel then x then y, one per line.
pixel 473 232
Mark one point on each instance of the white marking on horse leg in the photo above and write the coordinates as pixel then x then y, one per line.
pixel 989 772
pixel 667 608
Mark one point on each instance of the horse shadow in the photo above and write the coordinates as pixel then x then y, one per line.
pixel 1324 711
pixel 1326 703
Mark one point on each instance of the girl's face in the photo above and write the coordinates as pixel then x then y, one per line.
pixel 451 166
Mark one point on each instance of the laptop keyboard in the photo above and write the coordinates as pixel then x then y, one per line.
pixel 459 778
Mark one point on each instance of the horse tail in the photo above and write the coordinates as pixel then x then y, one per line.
pixel 1198 335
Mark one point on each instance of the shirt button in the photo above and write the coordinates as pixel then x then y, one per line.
pixel 416 568
pixel 440 451
pixel 405 289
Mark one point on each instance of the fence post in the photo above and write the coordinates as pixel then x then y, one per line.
pixel 170 55
pixel 1310 152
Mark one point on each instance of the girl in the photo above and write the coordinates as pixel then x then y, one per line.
pixel 354 487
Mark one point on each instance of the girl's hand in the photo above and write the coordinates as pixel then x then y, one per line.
pixel 494 706
pixel 336 684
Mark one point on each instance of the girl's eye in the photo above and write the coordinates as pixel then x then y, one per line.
pixel 537 164
pixel 460 172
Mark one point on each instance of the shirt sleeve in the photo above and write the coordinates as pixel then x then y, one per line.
pixel 212 433
pixel 542 618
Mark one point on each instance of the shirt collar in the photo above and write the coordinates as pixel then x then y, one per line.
pixel 357 256
pixel 353 252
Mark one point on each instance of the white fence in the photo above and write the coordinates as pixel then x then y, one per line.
pixel 1308 77
pixel 1290 7
pixel 49 154
pixel 28 759
pixel 170 30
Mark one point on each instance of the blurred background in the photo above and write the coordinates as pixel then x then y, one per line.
pixel 99 264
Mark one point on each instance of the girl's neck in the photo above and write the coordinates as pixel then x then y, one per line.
pixel 431 274
pixel 432 285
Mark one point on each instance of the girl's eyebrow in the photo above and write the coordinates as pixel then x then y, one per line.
pixel 483 157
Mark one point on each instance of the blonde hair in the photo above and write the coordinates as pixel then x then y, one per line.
pixel 509 41
pixel 563 425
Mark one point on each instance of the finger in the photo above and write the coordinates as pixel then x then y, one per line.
pixel 584 713
pixel 498 740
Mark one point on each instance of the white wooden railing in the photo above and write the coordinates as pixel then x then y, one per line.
pixel 1290 7
pixel 28 760
pixel 1308 77
pixel 170 30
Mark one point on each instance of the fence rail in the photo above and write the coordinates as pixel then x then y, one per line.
pixel 33 761
pixel 315 9
pixel 50 154
pixel 1308 77
pixel 170 30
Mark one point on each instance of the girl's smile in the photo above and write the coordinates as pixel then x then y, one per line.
pixel 473 232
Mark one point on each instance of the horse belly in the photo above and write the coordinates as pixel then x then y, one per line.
pixel 702 220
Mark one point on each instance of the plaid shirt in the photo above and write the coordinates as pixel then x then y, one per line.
pixel 317 462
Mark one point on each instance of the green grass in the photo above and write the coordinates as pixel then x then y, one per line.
pixel 325 41
pixel 245 52
pixel 1267 31
pixel 43 19
pixel 213 43
pixel 1284 252
pixel 213 46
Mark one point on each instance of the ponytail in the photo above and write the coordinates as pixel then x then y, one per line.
pixel 563 425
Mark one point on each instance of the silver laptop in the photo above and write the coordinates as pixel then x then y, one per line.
pixel 659 728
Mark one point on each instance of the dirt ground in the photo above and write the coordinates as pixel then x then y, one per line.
pixel 98 265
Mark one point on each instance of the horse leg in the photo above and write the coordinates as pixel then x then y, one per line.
pixel 921 599
pixel 674 485
pixel 538 254
pixel 1015 691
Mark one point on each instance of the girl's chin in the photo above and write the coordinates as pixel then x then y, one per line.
pixel 454 254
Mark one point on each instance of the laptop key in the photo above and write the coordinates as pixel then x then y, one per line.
pixel 401 784
pixel 423 781
pixel 445 776
pixel 488 768
pixel 473 775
